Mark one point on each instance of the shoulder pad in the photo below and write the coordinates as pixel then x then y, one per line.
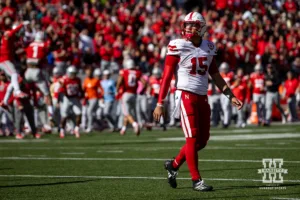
pixel 209 47
pixel 174 47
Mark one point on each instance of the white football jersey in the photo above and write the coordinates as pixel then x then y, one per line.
pixel 192 72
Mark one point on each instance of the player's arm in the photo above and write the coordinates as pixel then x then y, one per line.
pixel 222 85
pixel 171 63
pixel 13 31
pixel 119 82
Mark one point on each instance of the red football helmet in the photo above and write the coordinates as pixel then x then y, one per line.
pixel 196 19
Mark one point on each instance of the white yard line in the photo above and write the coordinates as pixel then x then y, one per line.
pixel 29 155
pixel 209 147
pixel 271 130
pixel 239 137
pixel 133 159
pixel 24 141
pixel 72 153
pixel 113 151
pixel 132 177
pixel 281 198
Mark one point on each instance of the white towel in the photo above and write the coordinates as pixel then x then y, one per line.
pixel 177 110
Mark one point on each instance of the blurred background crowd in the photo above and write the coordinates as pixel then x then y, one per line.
pixel 256 39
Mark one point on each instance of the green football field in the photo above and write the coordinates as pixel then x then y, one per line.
pixel 108 166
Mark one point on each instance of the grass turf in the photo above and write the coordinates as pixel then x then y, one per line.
pixel 109 166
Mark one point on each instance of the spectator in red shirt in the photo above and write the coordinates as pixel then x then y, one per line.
pixel 291 86
pixel 106 53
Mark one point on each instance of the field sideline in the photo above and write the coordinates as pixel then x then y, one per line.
pixel 109 166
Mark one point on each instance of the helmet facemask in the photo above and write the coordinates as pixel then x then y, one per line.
pixel 189 31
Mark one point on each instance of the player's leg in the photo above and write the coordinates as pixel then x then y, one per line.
pixel 128 104
pixel 144 108
pixel 226 107
pixel 241 117
pixel 64 109
pixel 76 106
pixel 263 105
pixel 92 105
pixel 203 113
pixel 124 125
pixel 256 100
pixel 292 108
pixel 277 103
pixel 29 112
pixel 268 107
pixel 18 119
pixel 107 112
pixel 138 110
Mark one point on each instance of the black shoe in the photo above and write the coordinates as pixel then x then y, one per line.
pixel 172 173
pixel 225 126
pixel 199 185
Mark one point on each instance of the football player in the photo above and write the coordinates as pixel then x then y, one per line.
pixel 55 89
pixel 194 57
pixel 73 93
pixel 36 54
pixel 128 78
pixel 7 54
pixel 23 107
pixel 257 84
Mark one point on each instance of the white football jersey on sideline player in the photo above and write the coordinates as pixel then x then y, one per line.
pixel 192 73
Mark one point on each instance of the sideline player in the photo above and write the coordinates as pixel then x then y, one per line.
pixel 71 85
pixel 128 78
pixel 195 58
pixel 36 54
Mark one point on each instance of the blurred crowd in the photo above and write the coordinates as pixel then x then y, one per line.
pixel 94 39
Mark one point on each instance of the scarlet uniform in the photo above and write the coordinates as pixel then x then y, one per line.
pixel 131 77
pixel 72 90
pixel 130 84
pixel 259 93
pixel 258 83
pixel 36 52
pixel 228 77
pixel 7 44
pixel 71 86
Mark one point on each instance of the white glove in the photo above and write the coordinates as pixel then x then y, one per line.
pixel 25 23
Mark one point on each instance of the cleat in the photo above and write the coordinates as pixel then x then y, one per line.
pixel 62 133
pixel 19 136
pixel 88 130
pixel 21 95
pixel 137 130
pixel 199 185
pixel 172 173
pixel 122 131
pixel 37 136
